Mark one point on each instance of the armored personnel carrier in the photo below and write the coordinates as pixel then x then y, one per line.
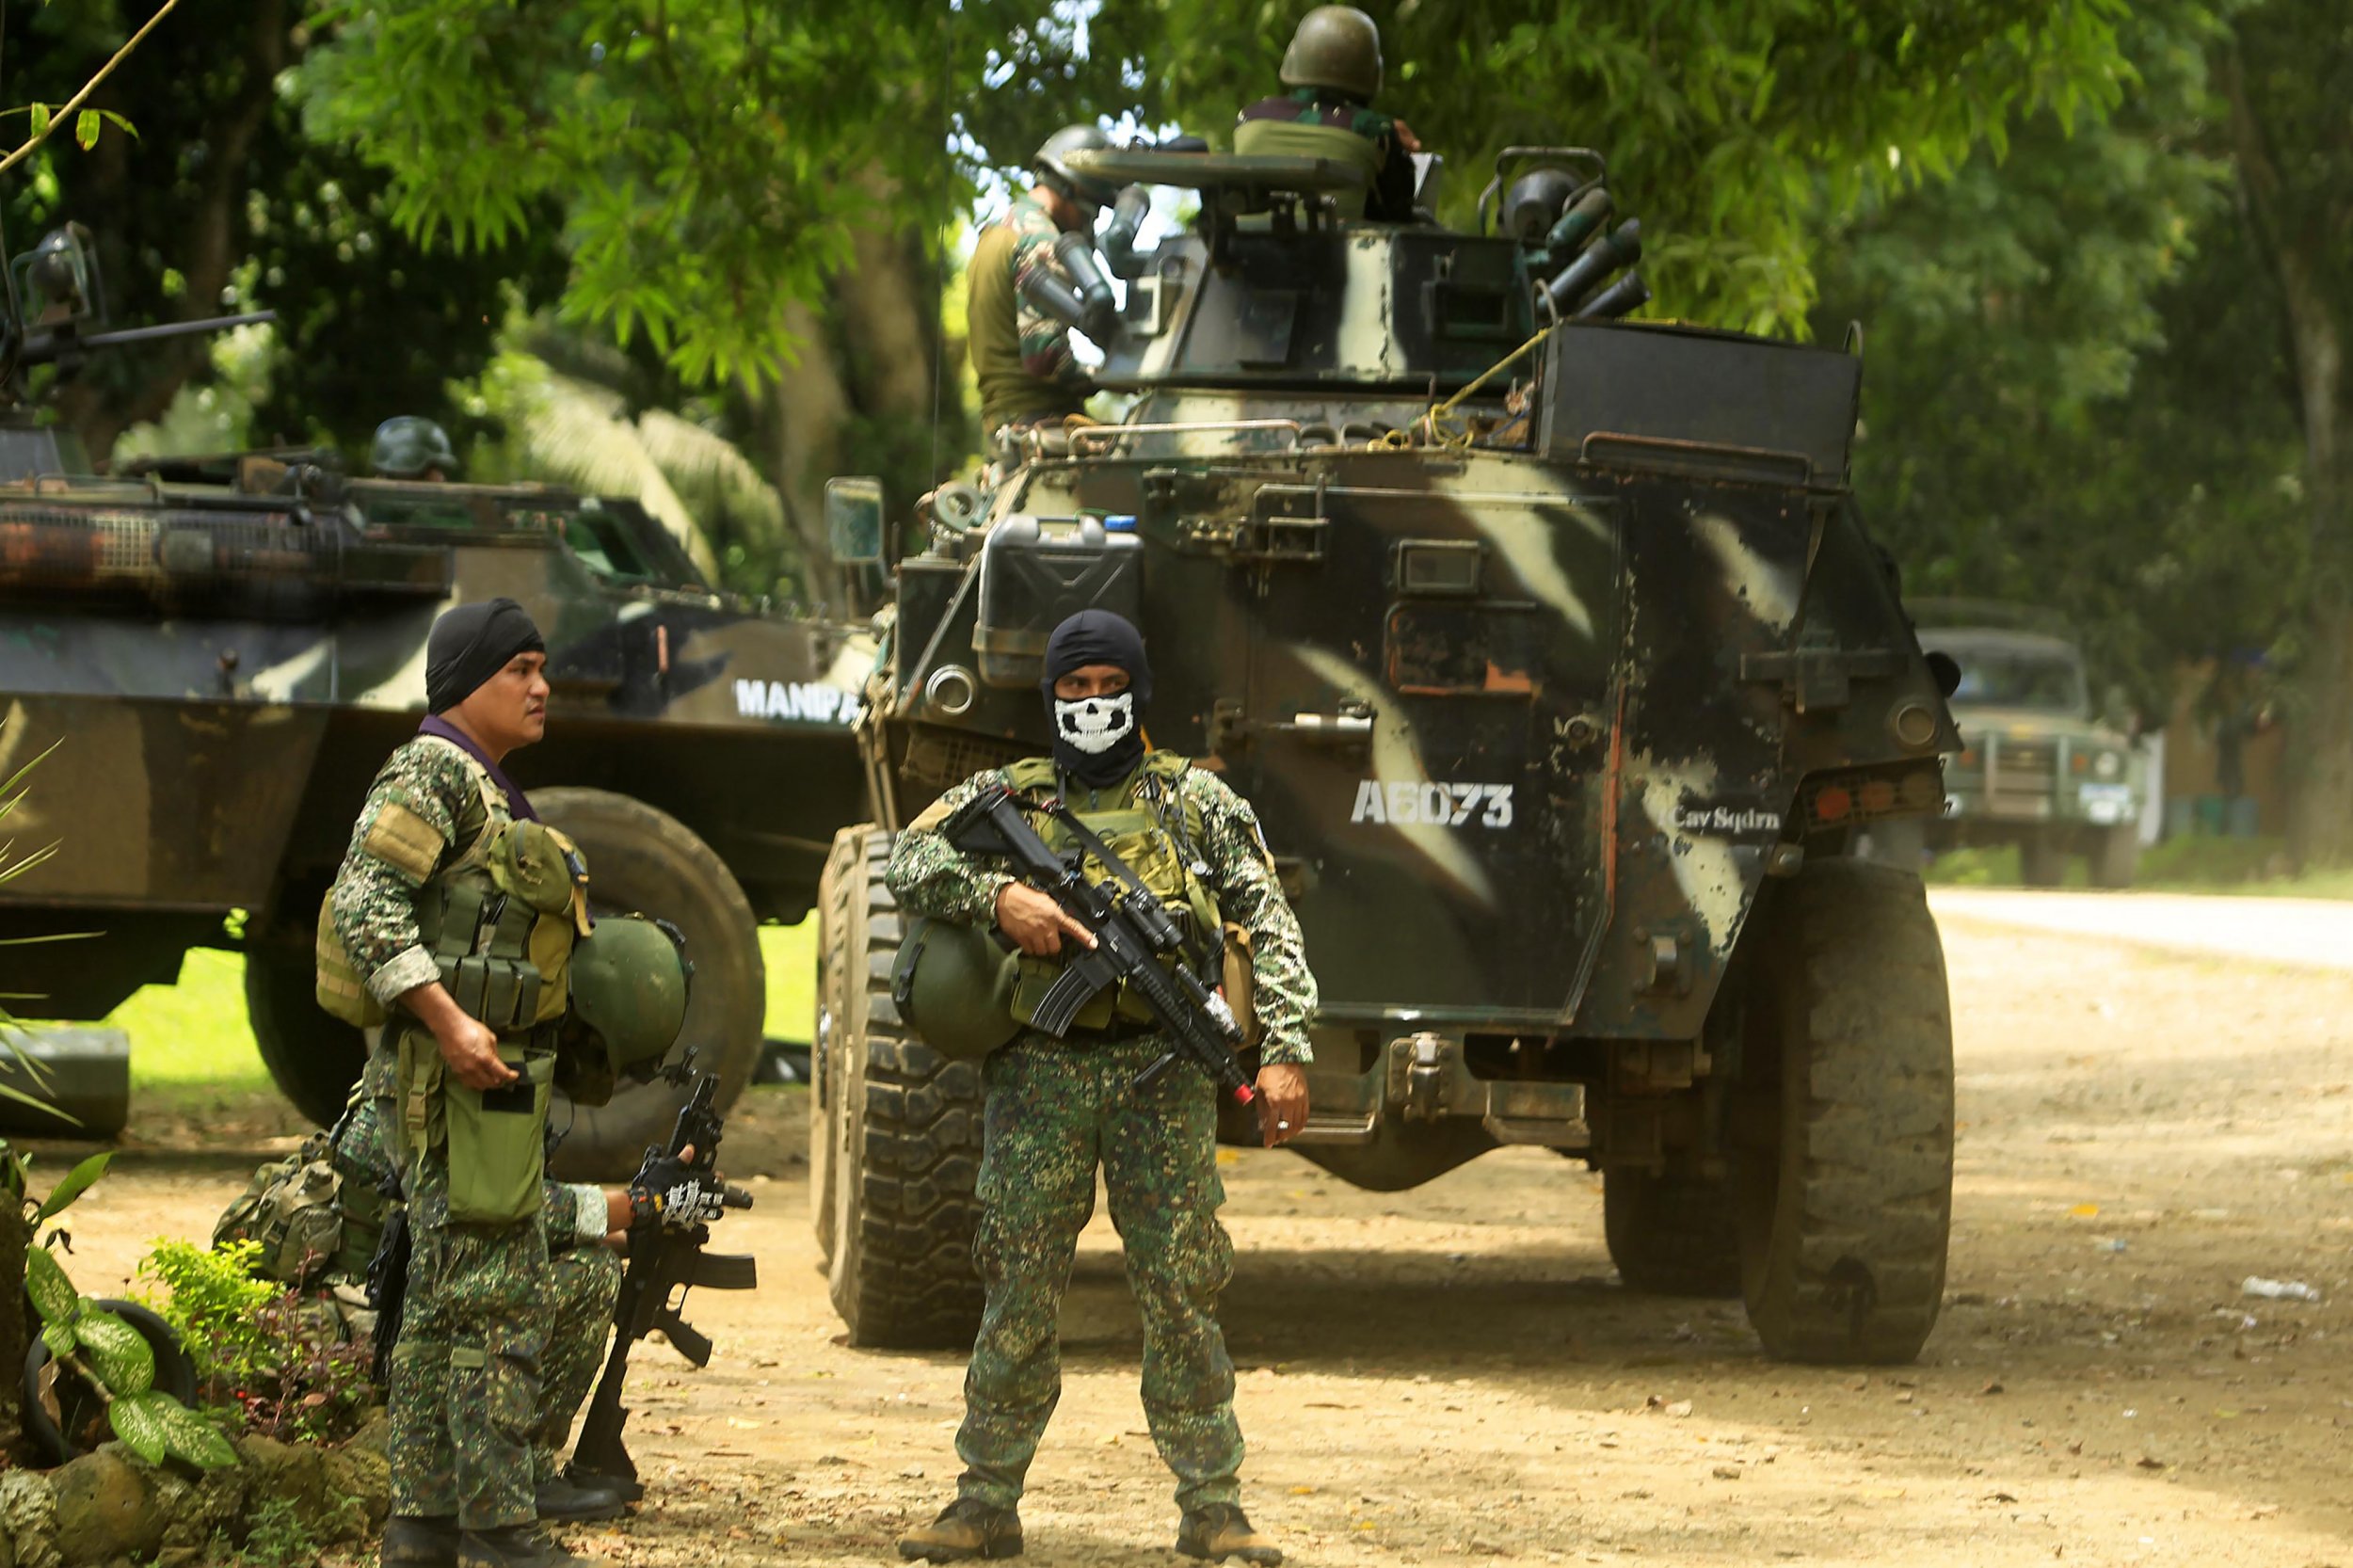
pixel 1562 673
pixel 221 653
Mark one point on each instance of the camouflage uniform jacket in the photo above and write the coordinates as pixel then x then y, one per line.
pixel 1390 198
pixel 931 878
pixel 1020 356
pixel 426 805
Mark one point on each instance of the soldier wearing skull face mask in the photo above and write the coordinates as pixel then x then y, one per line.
pixel 1058 1108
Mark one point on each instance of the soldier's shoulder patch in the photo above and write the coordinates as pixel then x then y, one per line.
pixel 404 840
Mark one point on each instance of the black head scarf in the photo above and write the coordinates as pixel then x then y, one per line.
pixel 470 643
pixel 1098 637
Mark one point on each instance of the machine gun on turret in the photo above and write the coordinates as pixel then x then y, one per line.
pixel 56 295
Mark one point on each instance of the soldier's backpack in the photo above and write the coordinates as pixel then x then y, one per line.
pixel 293 1207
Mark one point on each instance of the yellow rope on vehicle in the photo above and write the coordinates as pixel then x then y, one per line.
pixel 1428 421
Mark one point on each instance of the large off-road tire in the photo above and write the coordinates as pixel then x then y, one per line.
pixel 1846 1213
pixel 313 1057
pixel 2043 860
pixel 901 1129
pixel 1672 1234
pixel 644 860
pixel 2116 855
pixel 844 878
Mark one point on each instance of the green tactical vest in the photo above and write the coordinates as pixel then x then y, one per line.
pixel 1158 834
pixel 499 920
pixel 1282 138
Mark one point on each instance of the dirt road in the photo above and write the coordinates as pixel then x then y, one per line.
pixel 1454 1375
pixel 2298 931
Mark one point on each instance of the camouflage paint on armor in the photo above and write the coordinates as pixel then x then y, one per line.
pixel 932 878
pixel 1021 357
pixel 464 1400
pixel 423 808
pixel 1056 1110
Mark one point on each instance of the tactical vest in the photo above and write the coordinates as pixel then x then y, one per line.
pixel 1158 834
pixel 499 920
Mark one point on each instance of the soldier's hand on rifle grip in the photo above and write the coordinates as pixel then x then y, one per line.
pixel 1034 921
pixel 1282 1102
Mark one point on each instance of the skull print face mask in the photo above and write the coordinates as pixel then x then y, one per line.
pixel 1092 726
pixel 1097 740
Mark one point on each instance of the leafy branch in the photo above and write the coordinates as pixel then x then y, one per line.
pixel 87 129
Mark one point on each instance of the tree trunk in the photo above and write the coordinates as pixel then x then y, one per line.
pixel 2296 236
pixel 15 1332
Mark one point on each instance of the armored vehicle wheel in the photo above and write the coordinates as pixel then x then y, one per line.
pixel 2116 856
pixel 1671 1235
pixel 1844 1223
pixel 901 1130
pixel 2043 860
pixel 641 859
pixel 312 1057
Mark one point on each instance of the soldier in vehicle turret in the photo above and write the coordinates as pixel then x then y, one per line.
pixel 1020 299
pixel 409 446
pixel 1332 72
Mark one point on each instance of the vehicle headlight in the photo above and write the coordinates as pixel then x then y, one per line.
pixel 2108 764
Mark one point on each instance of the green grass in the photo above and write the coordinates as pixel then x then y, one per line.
pixel 193 1036
pixel 2188 863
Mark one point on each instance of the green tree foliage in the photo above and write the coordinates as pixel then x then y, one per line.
pixel 2071 396
pixel 220 203
pixel 1736 129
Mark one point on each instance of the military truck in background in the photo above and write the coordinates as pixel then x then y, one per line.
pixel 1562 675
pixel 222 651
pixel 2037 768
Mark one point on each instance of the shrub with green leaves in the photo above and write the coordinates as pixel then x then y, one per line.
pixel 274 1356
pixel 109 1355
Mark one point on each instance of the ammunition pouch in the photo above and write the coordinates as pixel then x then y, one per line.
pixel 497 1141
pixel 501 928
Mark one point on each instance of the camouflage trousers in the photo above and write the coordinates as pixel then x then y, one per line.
pixel 1056 1111
pixel 582 1283
pixel 464 1391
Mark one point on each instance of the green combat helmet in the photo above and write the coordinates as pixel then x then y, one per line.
pixel 955 985
pixel 409 446
pixel 630 979
pixel 1091 188
pixel 1337 47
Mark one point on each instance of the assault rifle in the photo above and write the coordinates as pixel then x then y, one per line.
pixel 1133 931
pixel 664 1265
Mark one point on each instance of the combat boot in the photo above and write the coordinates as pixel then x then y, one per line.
pixel 627 1488
pixel 574 1500
pixel 1219 1531
pixel 965 1529
pixel 415 1543
pixel 515 1546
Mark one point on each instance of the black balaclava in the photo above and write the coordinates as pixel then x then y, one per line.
pixel 1098 741
pixel 470 643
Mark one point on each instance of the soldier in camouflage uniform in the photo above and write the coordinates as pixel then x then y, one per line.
pixel 583 1279
pixel 1332 72
pixel 1058 1108
pixel 1021 352
pixel 464 1386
